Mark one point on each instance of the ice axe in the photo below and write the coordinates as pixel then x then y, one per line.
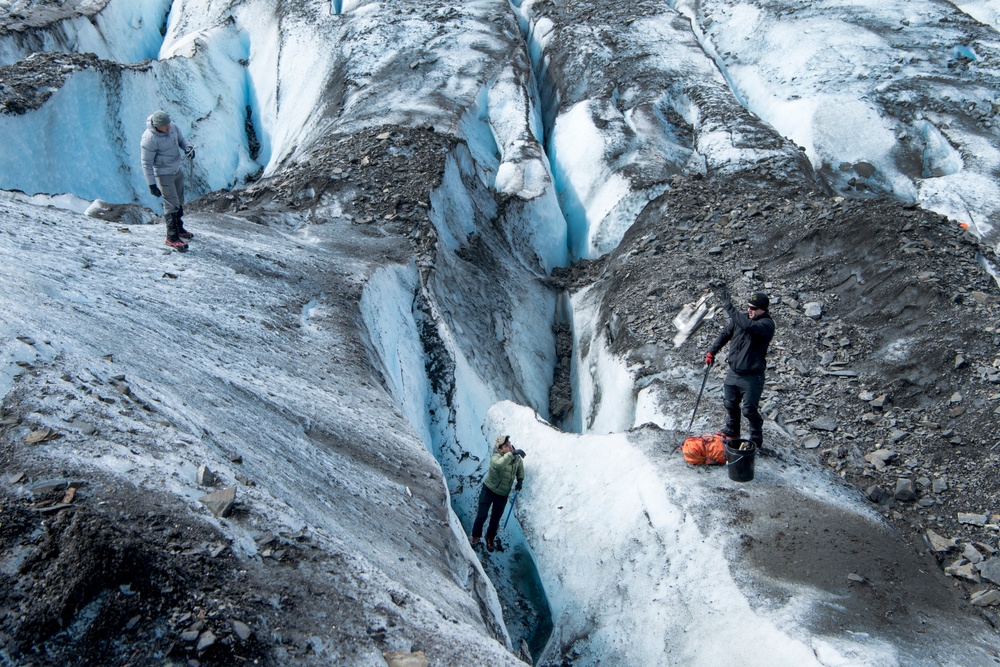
pixel 511 510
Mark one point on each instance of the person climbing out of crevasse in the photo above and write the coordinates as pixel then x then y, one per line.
pixel 748 334
pixel 161 147
pixel 506 471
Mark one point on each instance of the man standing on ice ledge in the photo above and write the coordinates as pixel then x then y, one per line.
pixel 749 334
pixel 506 468
pixel 161 148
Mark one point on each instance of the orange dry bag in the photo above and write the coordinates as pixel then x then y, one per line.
pixel 707 449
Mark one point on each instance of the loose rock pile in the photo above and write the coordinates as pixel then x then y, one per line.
pixel 380 178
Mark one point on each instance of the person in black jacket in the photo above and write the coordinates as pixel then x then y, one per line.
pixel 749 334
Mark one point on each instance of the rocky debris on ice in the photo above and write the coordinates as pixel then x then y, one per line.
pixel 28 83
pixel 379 178
pixel 872 387
pixel 126 214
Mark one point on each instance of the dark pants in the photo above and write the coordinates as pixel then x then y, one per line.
pixel 745 389
pixel 488 501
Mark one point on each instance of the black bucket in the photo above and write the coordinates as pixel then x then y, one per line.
pixel 739 462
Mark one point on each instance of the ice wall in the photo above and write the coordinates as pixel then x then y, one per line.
pixel 122 31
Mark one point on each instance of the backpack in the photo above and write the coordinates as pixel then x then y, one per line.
pixel 706 449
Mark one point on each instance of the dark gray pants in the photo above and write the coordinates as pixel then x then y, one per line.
pixel 746 389
pixel 493 504
pixel 172 189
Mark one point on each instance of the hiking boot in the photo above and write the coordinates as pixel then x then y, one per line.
pixel 181 232
pixel 474 542
pixel 489 544
pixel 727 433
pixel 177 244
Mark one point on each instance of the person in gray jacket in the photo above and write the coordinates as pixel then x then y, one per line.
pixel 161 146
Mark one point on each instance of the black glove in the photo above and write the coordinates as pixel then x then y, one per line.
pixel 722 293
pixel 155 191
pixel 520 452
pixel 190 153
pixel 520 483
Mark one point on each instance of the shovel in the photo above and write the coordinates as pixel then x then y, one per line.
pixel 708 367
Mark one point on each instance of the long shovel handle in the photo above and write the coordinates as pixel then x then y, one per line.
pixel 511 510
pixel 708 367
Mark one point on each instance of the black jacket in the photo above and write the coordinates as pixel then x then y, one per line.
pixel 750 338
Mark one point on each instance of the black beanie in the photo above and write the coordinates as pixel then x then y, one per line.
pixel 759 300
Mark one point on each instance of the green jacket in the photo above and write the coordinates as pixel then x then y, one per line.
pixel 504 469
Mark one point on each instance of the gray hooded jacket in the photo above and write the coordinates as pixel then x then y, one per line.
pixel 161 151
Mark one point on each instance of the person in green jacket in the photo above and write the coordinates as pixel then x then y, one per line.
pixel 506 470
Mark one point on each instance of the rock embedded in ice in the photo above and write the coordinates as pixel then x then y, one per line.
pixel 205 477
pixel 220 502
pixel 84 427
pixel 864 169
pixel 40 435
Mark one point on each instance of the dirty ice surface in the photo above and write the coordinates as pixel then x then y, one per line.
pixel 245 344
pixel 277 327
